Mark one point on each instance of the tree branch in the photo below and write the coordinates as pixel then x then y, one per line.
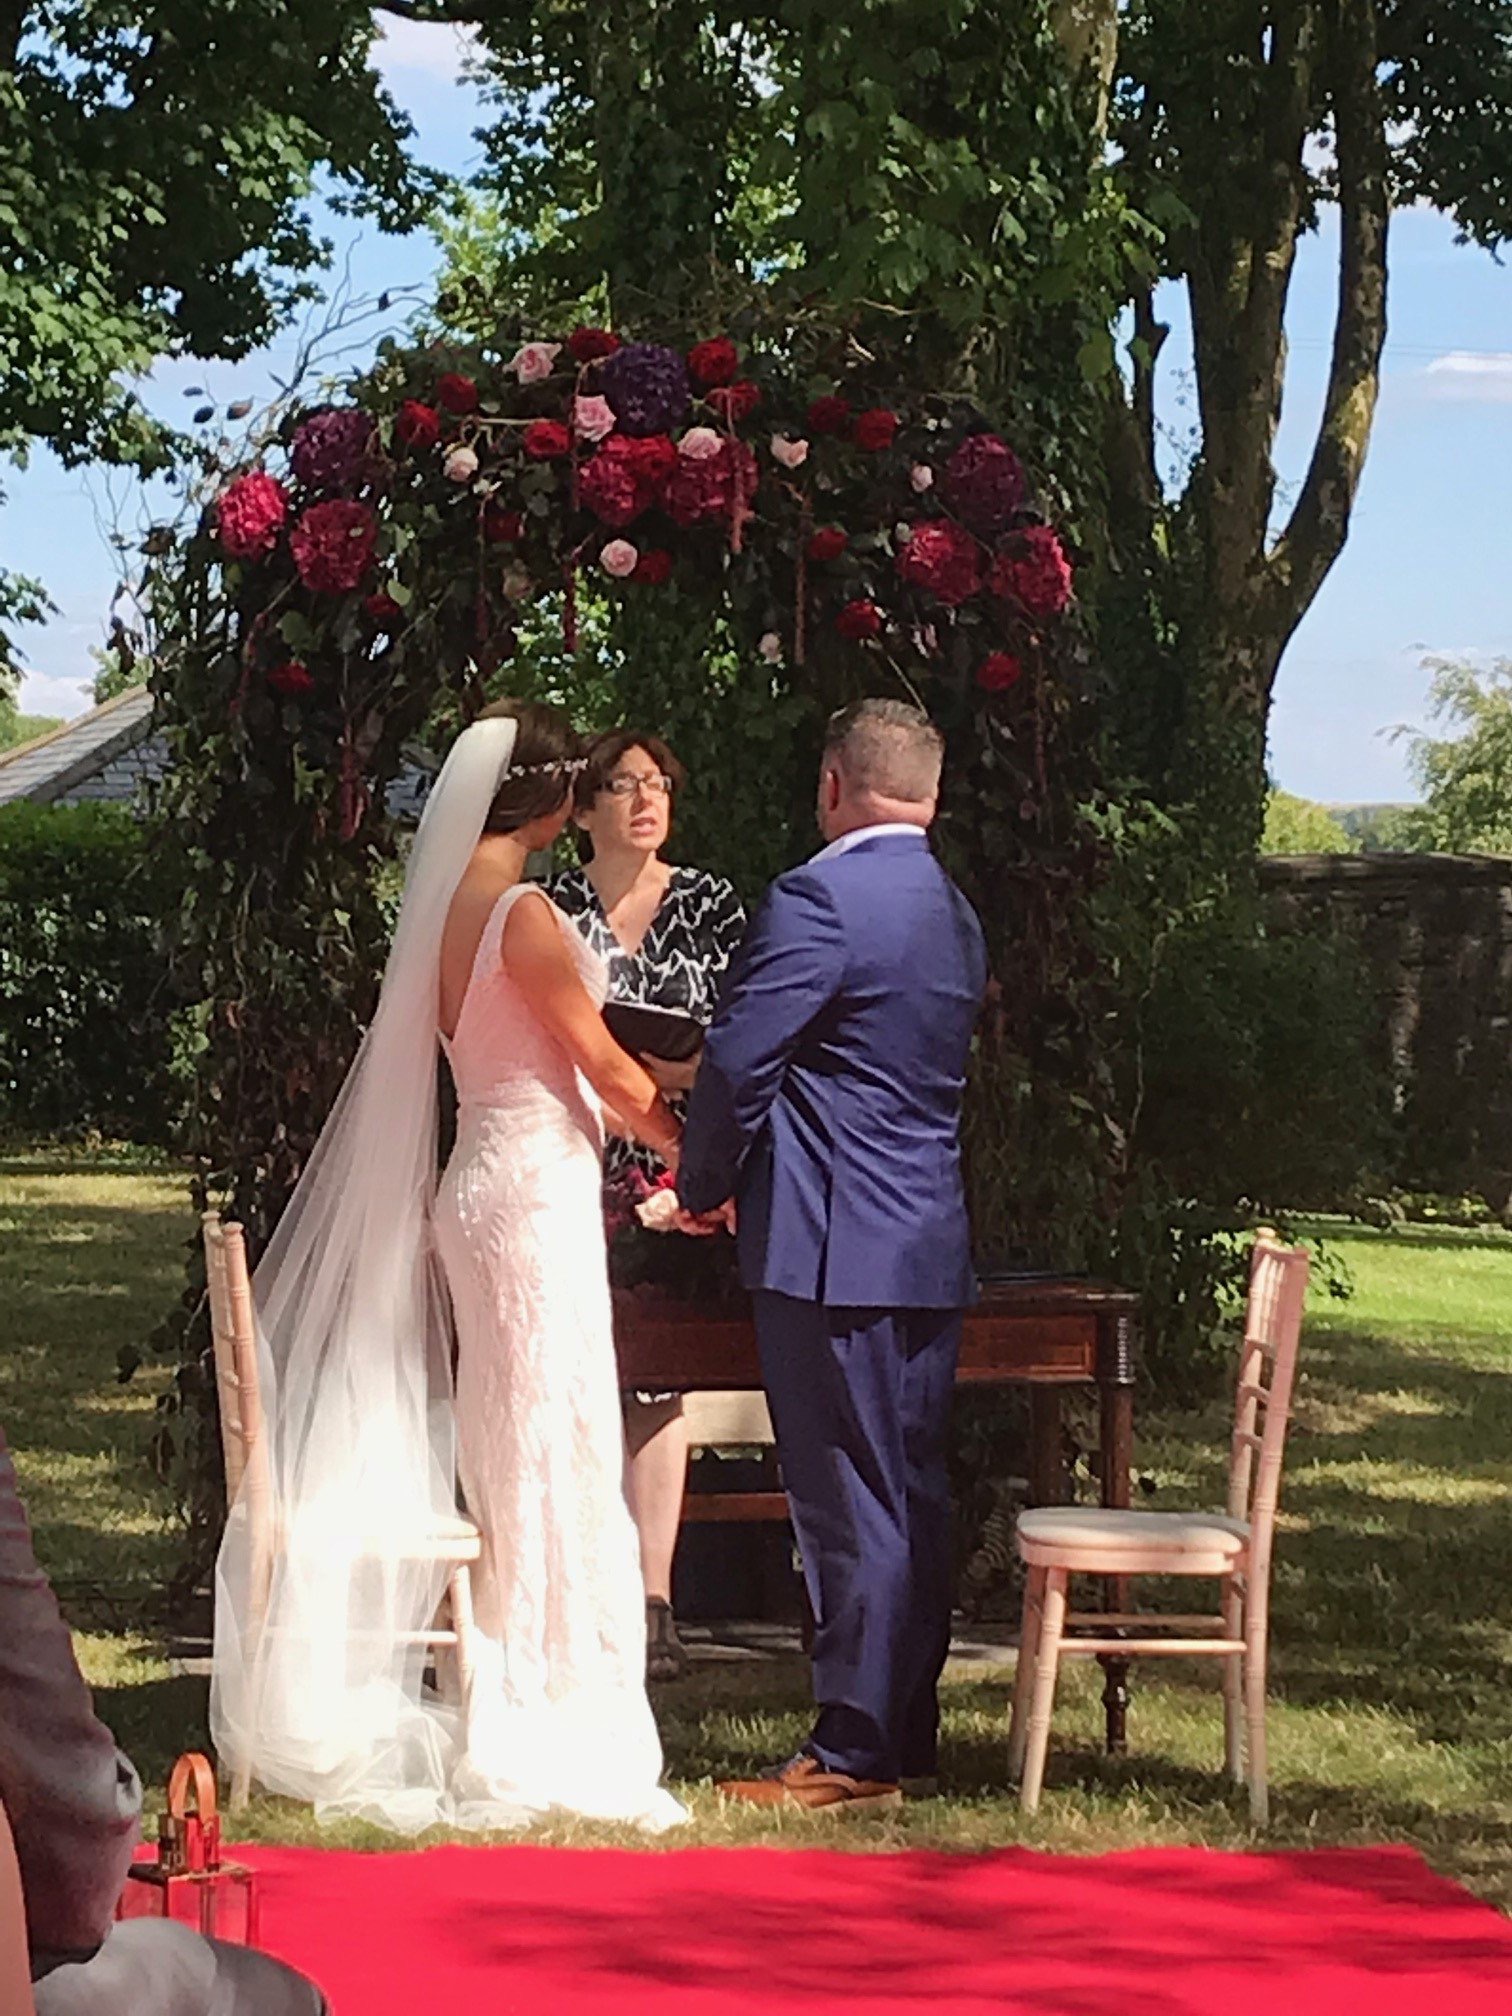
pixel 1238 284
pixel 1319 524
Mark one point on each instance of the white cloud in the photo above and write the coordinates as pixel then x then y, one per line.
pixel 45 693
pixel 1484 376
pixel 419 48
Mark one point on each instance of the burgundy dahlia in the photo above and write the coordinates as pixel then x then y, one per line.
pixel 985 483
pixel 647 385
pixel 942 558
pixel 382 609
pixel 250 514
pixel 1034 572
pixel 501 527
pixel 654 565
pixel 333 546
pixel 332 450
pixel 586 345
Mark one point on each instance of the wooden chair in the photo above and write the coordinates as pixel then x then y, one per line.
pixel 456 1542
pixel 1233 1548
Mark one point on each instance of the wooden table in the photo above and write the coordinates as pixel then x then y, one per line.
pixel 1041 1333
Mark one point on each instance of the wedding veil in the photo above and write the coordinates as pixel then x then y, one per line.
pixel 317 1680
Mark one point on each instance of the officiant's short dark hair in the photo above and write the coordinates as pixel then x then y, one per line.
pixel 606 751
pixel 540 771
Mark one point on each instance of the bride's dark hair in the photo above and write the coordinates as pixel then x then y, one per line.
pixel 547 753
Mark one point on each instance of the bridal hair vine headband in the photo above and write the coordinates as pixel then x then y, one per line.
pixel 564 765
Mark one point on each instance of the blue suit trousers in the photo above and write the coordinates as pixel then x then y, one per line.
pixel 860 1402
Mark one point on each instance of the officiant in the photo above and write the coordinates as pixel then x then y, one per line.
pixel 667 934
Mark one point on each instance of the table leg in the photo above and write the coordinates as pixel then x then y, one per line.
pixel 1116 1397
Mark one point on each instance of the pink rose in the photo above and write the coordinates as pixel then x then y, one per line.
pixel 791 454
pixel 700 444
pixel 461 465
pixel 921 477
pixel 533 361
pixel 619 558
pixel 770 646
pixel 592 418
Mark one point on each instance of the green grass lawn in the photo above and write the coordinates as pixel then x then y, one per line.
pixel 1392 1691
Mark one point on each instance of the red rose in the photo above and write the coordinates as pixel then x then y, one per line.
pixel 828 543
pixel 998 672
pixel 829 416
pixel 333 546
pixel 942 558
pixel 874 429
pixel 250 514
pixel 418 425
pixel 502 528
pixel 654 566
pixel 1035 572
pixel 291 679
pixel 735 403
pixel 586 346
pixel 714 362
pixel 384 610
pixel 547 441
pixel 456 393
pixel 859 620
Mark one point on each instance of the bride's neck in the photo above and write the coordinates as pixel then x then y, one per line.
pixel 504 855
pixel 616 873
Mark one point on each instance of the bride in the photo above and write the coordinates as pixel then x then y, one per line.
pixel 321 1686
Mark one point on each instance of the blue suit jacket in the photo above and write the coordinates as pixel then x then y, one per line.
pixel 828 1103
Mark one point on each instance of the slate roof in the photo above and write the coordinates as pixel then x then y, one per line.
pixel 112 752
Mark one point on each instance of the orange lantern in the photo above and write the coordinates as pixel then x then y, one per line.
pixel 189 1864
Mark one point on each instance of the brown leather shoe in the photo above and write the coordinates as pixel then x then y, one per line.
pixel 804 1786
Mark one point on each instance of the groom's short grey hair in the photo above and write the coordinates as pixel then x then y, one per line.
pixel 887 749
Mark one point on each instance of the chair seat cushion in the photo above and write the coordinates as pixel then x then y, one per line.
pixel 1091 1529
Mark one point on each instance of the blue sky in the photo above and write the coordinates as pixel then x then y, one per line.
pixel 1426 569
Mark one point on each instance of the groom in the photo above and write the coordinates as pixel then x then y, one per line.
pixel 827 1106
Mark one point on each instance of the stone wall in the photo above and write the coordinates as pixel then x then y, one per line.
pixel 1436 931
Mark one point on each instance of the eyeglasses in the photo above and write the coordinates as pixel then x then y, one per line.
pixel 626 787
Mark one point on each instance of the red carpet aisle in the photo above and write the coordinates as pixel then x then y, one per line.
pixel 726 1932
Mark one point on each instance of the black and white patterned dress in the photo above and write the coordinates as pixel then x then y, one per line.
pixel 678 966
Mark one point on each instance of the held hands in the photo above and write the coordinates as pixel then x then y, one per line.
pixel 704 1224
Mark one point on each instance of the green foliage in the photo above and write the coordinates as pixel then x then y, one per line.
pixel 85 1019
pixel 16 727
pixel 1298 826
pixel 1262 1087
pixel 1377 829
pixel 154 168
pixel 1465 776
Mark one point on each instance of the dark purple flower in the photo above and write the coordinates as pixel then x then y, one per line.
pixel 647 385
pixel 984 483
pixel 332 450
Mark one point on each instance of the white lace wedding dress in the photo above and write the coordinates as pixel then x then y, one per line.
pixel 558 1716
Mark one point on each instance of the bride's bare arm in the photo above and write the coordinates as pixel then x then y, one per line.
pixel 542 967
